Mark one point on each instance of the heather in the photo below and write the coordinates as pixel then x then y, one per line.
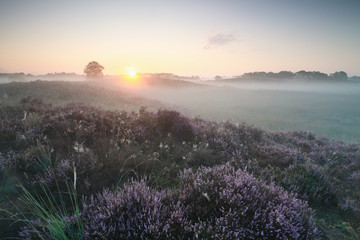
pixel 212 203
pixel 203 179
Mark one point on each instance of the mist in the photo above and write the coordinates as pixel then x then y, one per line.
pixel 314 86
pixel 328 109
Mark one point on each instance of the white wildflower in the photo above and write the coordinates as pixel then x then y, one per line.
pixel 206 196
pixel 78 147
pixel 20 136
pixel 74 175
pixel 25 114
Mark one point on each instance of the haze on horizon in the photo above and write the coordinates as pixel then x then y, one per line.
pixel 204 37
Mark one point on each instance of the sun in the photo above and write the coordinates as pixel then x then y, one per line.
pixel 132 78
pixel 132 73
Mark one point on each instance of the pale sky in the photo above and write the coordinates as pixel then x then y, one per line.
pixel 187 37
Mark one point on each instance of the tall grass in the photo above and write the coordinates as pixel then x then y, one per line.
pixel 47 213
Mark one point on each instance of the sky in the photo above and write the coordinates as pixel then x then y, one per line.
pixel 187 37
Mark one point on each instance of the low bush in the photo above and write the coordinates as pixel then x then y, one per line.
pixel 222 203
pixel 212 203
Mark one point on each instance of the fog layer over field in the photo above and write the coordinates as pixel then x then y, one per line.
pixel 329 109
pixel 349 87
pixel 326 108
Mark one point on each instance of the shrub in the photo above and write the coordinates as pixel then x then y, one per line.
pixel 309 182
pixel 34 104
pixel 213 203
pixel 223 203
pixel 134 212
pixel 175 124
pixel 277 156
pixel 81 164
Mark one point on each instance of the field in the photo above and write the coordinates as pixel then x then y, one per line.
pixel 73 153
pixel 329 110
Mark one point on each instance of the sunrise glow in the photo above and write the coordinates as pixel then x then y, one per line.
pixel 132 77
pixel 132 74
pixel 244 35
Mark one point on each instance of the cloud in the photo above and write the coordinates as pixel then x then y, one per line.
pixel 220 39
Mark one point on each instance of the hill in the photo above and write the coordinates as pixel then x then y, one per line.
pixel 60 93
pixel 290 76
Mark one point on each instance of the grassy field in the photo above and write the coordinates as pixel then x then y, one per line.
pixel 325 113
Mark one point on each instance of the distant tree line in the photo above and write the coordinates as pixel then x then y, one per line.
pixel 22 74
pixel 303 75
pixel 61 74
pixel 354 78
pixel 176 77
pixel 22 77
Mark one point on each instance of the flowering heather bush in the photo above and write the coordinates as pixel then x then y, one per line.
pixel 81 164
pixel 326 168
pixel 10 126
pixel 309 183
pixel 324 176
pixel 223 203
pixel 134 212
pixel 17 162
pixel 277 156
pixel 231 140
pixel 34 104
pixel 8 161
pixel 149 125
pixel 213 203
pixel 143 125
pixel 172 122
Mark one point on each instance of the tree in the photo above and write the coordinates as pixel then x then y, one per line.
pixel 93 70
pixel 286 75
pixel 217 78
pixel 341 76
